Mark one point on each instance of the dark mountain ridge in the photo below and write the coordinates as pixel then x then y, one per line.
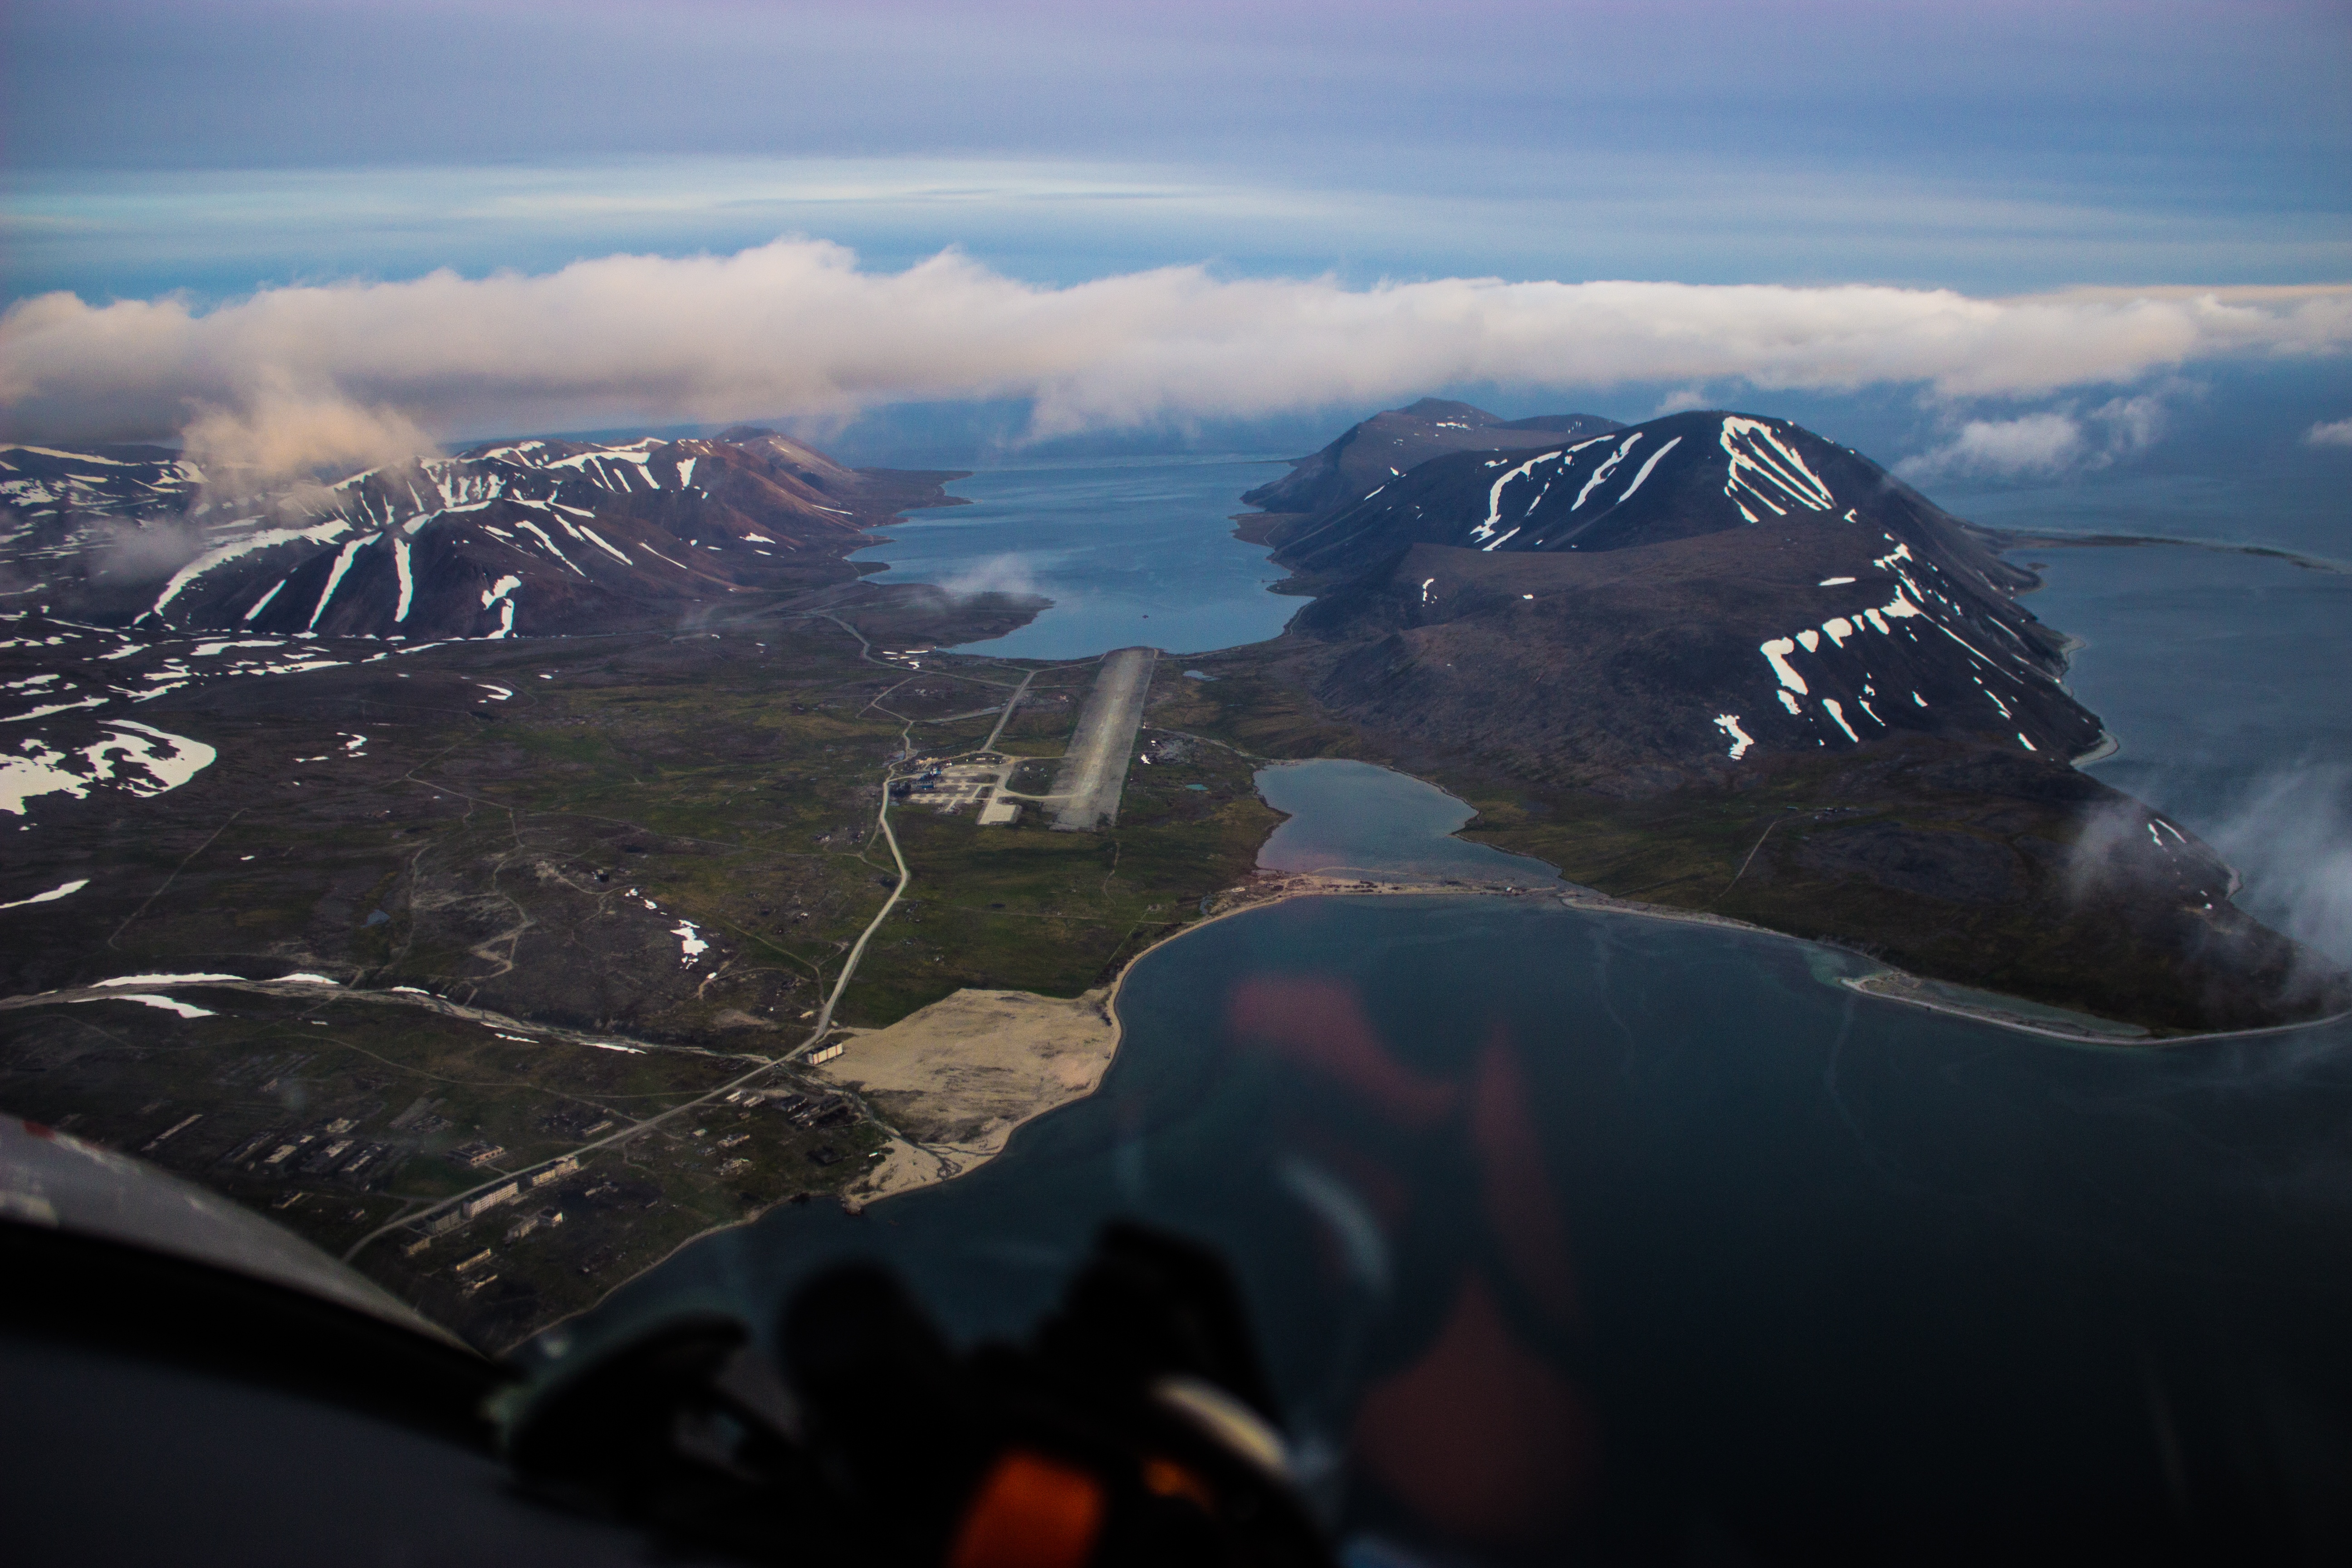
pixel 1717 662
pixel 1683 595
pixel 1369 454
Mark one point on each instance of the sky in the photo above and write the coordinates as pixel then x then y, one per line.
pixel 447 218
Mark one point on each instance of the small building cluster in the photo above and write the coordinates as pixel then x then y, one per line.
pixel 325 1148
pixel 949 787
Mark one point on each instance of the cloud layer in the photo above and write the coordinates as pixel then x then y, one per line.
pixel 2037 446
pixel 2291 836
pixel 794 328
pixel 277 432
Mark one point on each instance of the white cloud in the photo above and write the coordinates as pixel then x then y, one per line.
pixel 1676 400
pixel 2052 442
pixel 279 434
pixel 794 328
pixel 2333 433
pixel 2131 424
pixel 2035 445
pixel 2291 836
pixel 1007 575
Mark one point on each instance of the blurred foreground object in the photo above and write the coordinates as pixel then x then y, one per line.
pixel 191 1384
pixel 1134 1428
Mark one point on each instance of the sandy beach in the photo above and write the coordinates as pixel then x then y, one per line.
pixel 953 1081
pixel 954 1078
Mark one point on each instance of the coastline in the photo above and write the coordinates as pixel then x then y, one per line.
pixel 914 1163
pixel 1883 984
pixel 2005 540
pixel 925 1163
pixel 954 1080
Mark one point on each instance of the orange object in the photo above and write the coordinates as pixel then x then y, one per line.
pixel 1030 1512
pixel 1166 1477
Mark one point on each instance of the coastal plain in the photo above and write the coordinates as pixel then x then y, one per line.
pixel 577 897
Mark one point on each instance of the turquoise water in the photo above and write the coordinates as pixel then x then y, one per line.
pixel 1133 552
pixel 1354 819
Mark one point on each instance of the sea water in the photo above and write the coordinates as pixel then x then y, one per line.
pixel 1570 1230
pixel 1133 552
pixel 1824 1271
pixel 2225 680
pixel 1356 819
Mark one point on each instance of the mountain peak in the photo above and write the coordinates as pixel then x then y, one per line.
pixel 1755 588
pixel 1391 444
pixel 1438 408
pixel 513 537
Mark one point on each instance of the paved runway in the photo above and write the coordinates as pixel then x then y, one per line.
pixel 1094 771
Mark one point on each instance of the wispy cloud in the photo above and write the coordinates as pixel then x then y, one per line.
pixel 2331 433
pixel 2291 836
pixel 2034 444
pixel 2043 444
pixel 1007 575
pixel 1635 213
pixel 795 328
pixel 279 434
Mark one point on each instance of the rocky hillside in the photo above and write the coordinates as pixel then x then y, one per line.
pixel 1387 446
pixel 1675 599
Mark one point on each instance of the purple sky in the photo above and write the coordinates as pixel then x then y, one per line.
pixel 1989 146
pixel 203 151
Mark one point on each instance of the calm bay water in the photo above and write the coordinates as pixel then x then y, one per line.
pixel 1576 1234
pixel 1132 551
pixel 1662 1217
pixel 1355 819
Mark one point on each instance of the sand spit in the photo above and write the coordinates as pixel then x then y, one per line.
pixel 954 1078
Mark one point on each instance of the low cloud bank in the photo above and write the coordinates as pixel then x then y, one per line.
pixel 2287 833
pixel 143 552
pixel 2290 835
pixel 794 328
pixel 2041 446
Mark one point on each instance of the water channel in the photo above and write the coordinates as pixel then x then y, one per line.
pixel 1132 551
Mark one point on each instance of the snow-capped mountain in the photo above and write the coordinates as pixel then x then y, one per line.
pixel 505 539
pixel 1387 446
pixel 44 485
pixel 1702 585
